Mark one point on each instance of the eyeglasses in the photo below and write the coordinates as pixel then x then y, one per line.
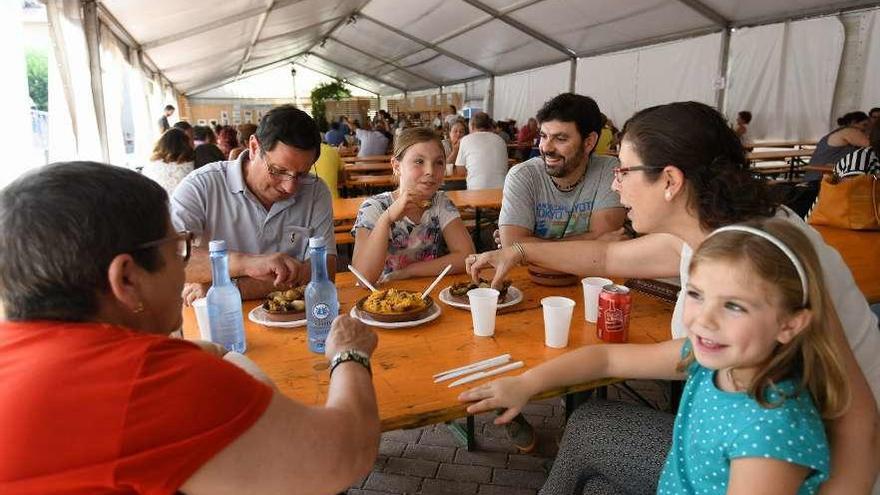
pixel 305 178
pixel 184 240
pixel 620 172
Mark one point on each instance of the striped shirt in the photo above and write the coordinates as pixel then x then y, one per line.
pixel 860 162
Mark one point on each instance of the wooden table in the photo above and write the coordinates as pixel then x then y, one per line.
pixel 369 158
pixel 347 208
pixel 789 143
pixel 795 159
pixel 406 359
pixel 860 250
pixel 367 167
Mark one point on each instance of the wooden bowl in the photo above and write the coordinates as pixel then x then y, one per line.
pixel 284 316
pixel 552 278
pixel 413 315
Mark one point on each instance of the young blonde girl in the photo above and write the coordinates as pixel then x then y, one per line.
pixel 414 230
pixel 762 372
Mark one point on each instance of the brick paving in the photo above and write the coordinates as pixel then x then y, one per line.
pixel 428 460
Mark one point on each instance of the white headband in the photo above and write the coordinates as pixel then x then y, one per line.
pixel 779 244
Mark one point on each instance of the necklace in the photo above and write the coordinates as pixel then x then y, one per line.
pixel 736 385
pixel 571 187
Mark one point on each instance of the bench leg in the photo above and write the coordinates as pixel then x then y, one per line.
pixel 463 435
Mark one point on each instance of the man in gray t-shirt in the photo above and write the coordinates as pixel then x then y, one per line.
pixel 566 193
pixel 265 205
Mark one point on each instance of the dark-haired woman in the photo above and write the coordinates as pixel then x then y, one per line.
pixel 863 160
pixel 851 134
pixel 683 174
pixel 171 161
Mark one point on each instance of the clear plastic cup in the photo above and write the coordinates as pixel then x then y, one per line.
pixel 484 302
pixel 592 288
pixel 200 306
pixel 557 320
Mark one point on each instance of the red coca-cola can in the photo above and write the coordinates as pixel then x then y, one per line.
pixel 615 305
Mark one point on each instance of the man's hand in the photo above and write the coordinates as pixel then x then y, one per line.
pixel 278 268
pixel 193 291
pixel 347 334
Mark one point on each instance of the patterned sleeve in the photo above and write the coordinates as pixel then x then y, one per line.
pixel 792 433
pixel 447 209
pixel 368 214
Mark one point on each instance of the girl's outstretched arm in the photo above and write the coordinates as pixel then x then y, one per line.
pixel 759 476
pixel 591 362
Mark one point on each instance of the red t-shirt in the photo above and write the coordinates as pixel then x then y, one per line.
pixel 98 409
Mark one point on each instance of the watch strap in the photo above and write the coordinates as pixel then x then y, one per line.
pixel 351 355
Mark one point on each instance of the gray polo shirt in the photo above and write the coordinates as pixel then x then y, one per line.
pixel 530 199
pixel 214 202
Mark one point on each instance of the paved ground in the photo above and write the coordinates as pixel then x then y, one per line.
pixel 429 461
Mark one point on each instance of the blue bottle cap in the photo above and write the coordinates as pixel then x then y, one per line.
pixel 217 246
pixel 317 242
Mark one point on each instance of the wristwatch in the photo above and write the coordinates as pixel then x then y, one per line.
pixel 351 355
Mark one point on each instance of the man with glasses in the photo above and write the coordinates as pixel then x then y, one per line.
pixel 265 205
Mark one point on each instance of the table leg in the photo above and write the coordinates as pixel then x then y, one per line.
pixel 477 235
pixel 464 436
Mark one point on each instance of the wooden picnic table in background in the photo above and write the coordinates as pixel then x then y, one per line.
pixel 370 158
pixel 794 159
pixel 347 208
pixel 367 167
pixel 784 143
pixel 860 250
pixel 406 359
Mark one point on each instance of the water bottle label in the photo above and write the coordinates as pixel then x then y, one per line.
pixel 321 311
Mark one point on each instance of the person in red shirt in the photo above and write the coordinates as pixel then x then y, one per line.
pixel 526 138
pixel 95 398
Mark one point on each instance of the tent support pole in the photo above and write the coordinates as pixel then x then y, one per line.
pixel 572 75
pixel 490 97
pixel 721 92
pixel 90 25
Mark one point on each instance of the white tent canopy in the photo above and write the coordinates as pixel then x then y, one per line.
pixel 392 46
pixel 785 61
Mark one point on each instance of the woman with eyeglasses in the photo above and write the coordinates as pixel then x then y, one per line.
pixel 683 173
pixel 415 230
pixel 94 395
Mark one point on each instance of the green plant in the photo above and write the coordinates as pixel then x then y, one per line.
pixel 335 90
pixel 38 78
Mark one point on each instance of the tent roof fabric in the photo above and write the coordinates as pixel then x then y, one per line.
pixel 391 46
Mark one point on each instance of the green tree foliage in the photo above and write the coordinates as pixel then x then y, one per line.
pixel 38 78
pixel 328 91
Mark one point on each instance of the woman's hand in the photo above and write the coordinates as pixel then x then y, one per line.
pixel 507 393
pixel 503 260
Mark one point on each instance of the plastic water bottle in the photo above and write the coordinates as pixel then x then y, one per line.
pixel 322 302
pixel 224 303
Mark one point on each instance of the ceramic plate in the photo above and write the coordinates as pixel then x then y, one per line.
pixel 402 324
pixel 514 296
pixel 258 316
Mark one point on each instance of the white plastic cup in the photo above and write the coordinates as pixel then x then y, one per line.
pixel 200 305
pixel 484 303
pixel 592 288
pixel 557 320
pixel 450 167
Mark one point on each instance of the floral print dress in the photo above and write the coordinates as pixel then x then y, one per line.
pixel 409 242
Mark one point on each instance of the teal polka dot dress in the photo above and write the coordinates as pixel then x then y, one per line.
pixel 713 427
